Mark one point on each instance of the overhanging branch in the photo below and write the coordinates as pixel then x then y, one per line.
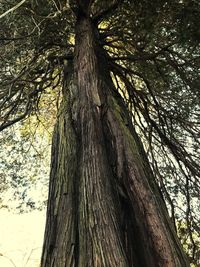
pixel 12 9
pixel 104 12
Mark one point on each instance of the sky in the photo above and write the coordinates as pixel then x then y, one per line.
pixel 21 238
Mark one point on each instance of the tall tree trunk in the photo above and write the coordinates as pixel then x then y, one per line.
pixel 104 209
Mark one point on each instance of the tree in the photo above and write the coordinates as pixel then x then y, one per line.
pixel 129 75
pixel 24 160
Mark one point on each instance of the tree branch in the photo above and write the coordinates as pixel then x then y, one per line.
pixel 105 12
pixel 12 9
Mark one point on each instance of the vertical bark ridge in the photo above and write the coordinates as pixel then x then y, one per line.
pixel 97 214
pixel 156 241
pixel 60 234
pixel 98 219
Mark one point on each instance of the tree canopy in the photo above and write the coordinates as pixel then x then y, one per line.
pixel 153 53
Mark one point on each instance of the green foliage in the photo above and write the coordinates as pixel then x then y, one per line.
pixel 24 161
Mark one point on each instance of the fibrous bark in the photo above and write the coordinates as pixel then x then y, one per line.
pixel 104 207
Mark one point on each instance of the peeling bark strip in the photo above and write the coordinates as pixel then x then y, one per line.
pixel 104 209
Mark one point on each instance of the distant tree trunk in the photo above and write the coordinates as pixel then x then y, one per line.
pixel 104 209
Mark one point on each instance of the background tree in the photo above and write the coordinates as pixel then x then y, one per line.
pixel 24 161
pixel 123 67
